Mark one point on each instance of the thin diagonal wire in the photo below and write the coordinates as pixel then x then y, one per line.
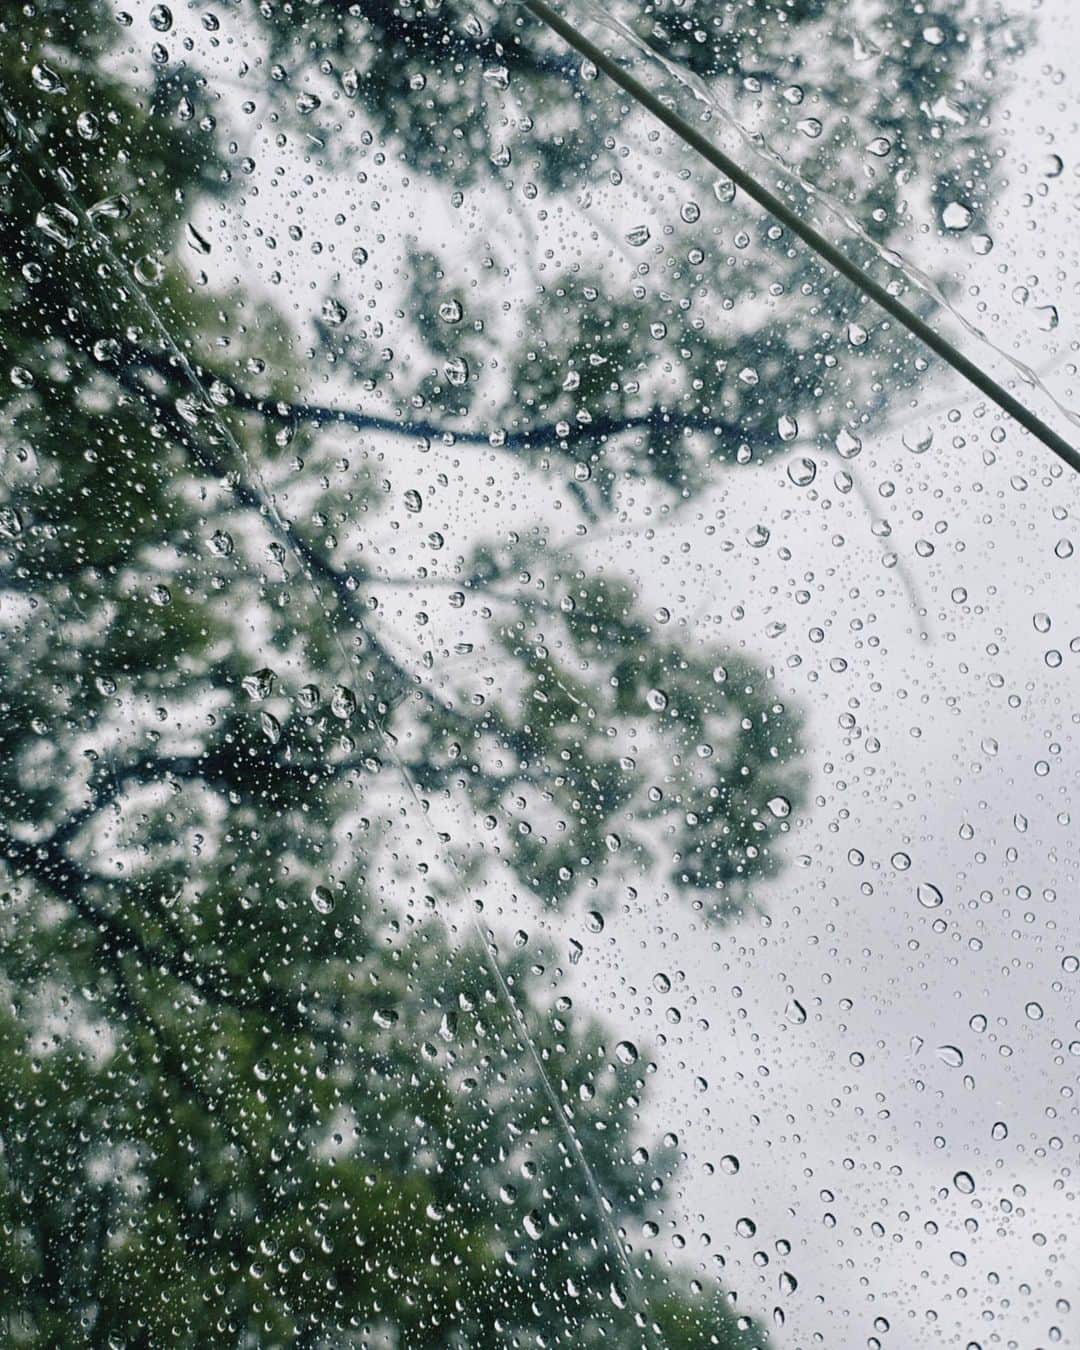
pixel 938 344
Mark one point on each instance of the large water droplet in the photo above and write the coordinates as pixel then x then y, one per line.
pixel 956 216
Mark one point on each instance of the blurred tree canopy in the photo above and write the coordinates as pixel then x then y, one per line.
pixel 267 1075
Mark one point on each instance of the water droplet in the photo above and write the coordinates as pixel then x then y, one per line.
pixel 964 1183
pixel 46 79
pixel 745 1228
pixel 724 191
pixel 928 895
pixel 1034 1011
pixel 918 441
pixel 657 700
pixel 161 18
pixel 999 1130
pixel 334 312
pixel 58 223
pixel 729 1164
pixel 322 899
pixel 457 370
pixel 260 685
pixel 639 236
pixel 149 270
pixel 780 807
pixel 626 1052
pixel 950 1055
pixel 802 472
pixel 956 216
pixel 757 536
pixel 342 702
pixel 795 1012
pixel 787 427
pixel 413 501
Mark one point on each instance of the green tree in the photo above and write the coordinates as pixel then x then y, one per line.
pixel 274 1067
